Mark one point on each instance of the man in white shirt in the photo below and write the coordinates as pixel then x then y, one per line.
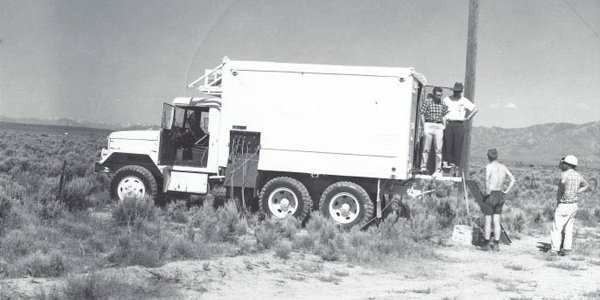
pixel 454 134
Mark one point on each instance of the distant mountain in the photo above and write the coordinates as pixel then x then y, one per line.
pixel 77 123
pixel 543 143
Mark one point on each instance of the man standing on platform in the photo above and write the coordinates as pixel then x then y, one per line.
pixel 454 134
pixel 433 112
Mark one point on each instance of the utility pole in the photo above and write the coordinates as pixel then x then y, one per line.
pixel 470 77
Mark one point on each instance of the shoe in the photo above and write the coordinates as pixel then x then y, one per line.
pixel 564 252
pixel 554 253
pixel 485 246
pixel 438 173
pixel 456 171
pixel 495 245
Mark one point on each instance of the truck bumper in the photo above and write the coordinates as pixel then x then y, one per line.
pixel 100 168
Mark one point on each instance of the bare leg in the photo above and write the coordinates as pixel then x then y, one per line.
pixel 488 227
pixel 497 228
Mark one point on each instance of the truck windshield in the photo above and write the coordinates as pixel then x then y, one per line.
pixel 180 117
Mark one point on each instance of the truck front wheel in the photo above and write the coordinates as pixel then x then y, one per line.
pixel 347 203
pixel 132 181
pixel 284 196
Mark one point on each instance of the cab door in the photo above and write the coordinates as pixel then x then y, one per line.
pixel 195 161
pixel 166 152
pixel 416 126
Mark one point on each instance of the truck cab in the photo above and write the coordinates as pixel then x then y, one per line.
pixel 180 157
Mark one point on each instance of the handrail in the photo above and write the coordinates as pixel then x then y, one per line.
pixel 193 84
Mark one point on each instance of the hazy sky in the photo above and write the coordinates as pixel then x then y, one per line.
pixel 117 60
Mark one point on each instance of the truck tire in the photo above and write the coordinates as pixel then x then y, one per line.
pixel 284 196
pixel 133 181
pixel 347 203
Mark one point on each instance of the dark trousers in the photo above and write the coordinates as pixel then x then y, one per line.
pixel 454 136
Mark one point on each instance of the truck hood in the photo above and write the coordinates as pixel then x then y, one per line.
pixel 147 135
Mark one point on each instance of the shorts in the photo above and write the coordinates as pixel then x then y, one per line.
pixel 493 203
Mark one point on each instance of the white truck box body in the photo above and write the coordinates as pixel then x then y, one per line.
pixel 321 119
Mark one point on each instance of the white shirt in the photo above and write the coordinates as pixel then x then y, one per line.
pixel 458 108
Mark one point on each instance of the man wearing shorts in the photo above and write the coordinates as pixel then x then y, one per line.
pixel 495 176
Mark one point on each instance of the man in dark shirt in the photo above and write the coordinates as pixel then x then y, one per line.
pixel 433 112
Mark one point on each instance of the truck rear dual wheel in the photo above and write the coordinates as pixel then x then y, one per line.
pixel 132 181
pixel 283 197
pixel 347 203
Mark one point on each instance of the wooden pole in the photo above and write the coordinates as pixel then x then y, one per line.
pixel 470 77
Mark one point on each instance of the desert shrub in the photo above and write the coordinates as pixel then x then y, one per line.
pixel 514 221
pixel 12 189
pixel 271 230
pixel 303 241
pixel 283 248
pixel 182 248
pixel 383 243
pixel 324 238
pixel 6 205
pixel 421 226
pixel 548 211
pixel 16 244
pixel 39 264
pixel 19 243
pixel 79 227
pixel 76 192
pixel 518 223
pixel 330 251
pixel 132 209
pixel 177 211
pixel 96 286
pixel 321 229
pixel 49 210
pixel 218 225
pixel 4 268
pixel 146 245
pixel 445 213
pixel 587 217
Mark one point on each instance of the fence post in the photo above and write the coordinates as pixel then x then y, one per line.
pixel 61 182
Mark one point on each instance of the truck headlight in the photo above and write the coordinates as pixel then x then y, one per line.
pixel 104 152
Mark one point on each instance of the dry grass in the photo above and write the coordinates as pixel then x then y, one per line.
pixel 566 266
pixel 592 294
pixel 515 267
pixel 330 278
pixel 95 286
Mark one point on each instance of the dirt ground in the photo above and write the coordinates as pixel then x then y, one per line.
pixel 518 271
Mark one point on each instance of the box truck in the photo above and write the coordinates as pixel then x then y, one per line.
pixel 287 138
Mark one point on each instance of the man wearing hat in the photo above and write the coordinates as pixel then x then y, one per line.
pixel 571 183
pixel 454 135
